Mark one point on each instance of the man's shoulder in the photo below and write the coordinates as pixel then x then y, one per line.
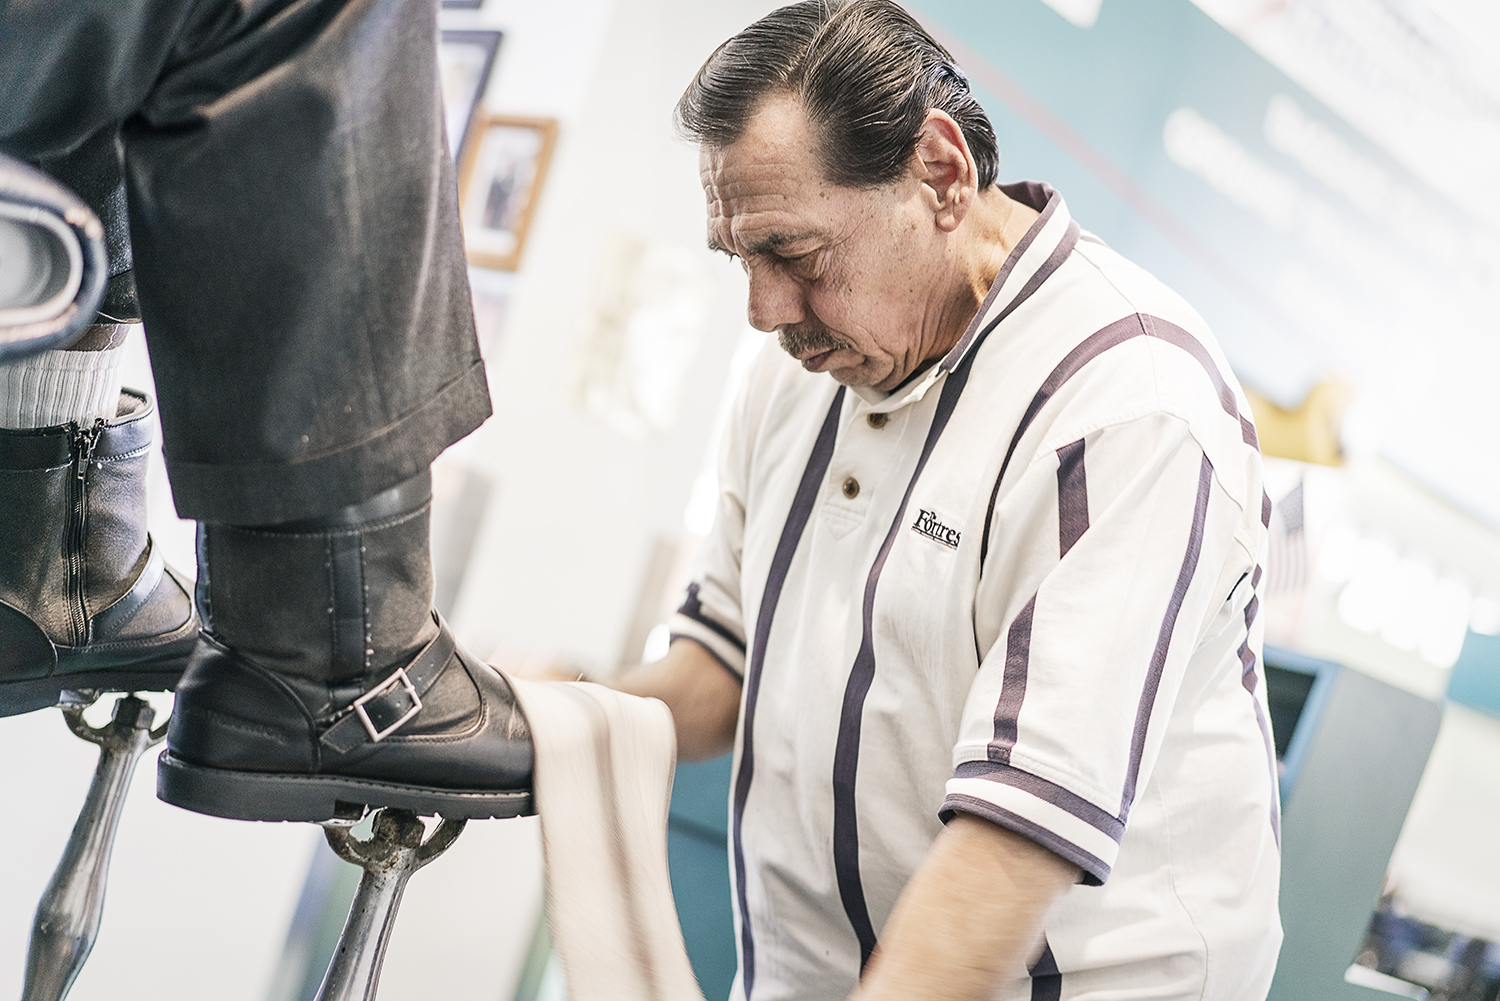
pixel 1096 314
pixel 1122 285
pixel 1104 342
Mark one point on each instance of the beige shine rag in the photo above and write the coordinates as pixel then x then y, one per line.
pixel 602 786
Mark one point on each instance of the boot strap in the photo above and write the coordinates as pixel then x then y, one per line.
pixel 388 706
pixel 109 622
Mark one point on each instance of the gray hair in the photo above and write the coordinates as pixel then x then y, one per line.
pixel 866 74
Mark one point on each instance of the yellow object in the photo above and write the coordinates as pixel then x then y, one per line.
pixel 1309 433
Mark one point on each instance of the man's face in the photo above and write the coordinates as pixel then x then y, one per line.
pixel 847 278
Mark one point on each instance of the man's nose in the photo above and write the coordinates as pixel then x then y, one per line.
pixel 776 300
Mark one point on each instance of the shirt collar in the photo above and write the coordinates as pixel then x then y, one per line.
pixel 1035 256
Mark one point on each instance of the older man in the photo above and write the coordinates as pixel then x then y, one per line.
pixel 978 612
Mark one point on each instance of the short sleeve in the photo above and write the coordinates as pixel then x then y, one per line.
pixel 1105 557
pixel 710 613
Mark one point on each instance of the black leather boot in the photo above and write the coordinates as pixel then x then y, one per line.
pixel 324 682
pixel 85 599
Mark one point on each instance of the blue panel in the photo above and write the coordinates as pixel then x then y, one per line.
pixel 1367 753
pixel 700 794
pixel 1307 717
pixel 1476 677
pixel 1085 110
pixel 697 853
pixel 700 884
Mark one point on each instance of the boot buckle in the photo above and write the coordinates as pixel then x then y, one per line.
pixel 396 682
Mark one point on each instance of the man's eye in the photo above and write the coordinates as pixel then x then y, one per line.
pixel 804 266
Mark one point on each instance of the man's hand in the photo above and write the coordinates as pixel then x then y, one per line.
pixel 970 919
pixel 704 697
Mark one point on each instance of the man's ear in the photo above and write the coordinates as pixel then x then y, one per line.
pixel 945 168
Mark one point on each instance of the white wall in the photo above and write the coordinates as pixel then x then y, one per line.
pixel 558 564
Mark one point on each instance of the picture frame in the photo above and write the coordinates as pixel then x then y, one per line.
pixel 465 61
pixel 500 182
pixel 463 4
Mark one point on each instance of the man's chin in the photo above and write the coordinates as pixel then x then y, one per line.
pixel 857 376
pixel 856 372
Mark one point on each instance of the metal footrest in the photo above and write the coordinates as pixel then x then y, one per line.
pixel 395 850
pixel 68 916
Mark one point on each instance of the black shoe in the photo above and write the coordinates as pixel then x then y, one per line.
pixel 442 735
pixel 85 599
pixel 325 683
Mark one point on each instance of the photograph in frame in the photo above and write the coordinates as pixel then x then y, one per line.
pixel 465 61
pixel 500 182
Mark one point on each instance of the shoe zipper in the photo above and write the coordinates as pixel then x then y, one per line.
pixel 84 442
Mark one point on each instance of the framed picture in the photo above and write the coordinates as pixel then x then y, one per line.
pixel 499 182
pixel 465 60
pixel 463 4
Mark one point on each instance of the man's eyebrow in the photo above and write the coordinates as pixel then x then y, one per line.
pixel 768 245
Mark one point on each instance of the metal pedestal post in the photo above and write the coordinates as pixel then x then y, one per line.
pixel 67 919
pixel 393 853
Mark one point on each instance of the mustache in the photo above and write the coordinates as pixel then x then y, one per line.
pixel 797 341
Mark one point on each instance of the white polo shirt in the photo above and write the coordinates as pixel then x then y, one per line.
pixel 1022 587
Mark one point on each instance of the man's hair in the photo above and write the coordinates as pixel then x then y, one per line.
pixel 866 74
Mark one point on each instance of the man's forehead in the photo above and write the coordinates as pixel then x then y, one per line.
pixel 760 189
pixel 758 168
pixel 766 190
pixel 761 208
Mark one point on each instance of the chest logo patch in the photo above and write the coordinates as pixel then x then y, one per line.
pixel 927 524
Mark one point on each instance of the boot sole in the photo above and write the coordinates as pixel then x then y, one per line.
pixel 272 796
pixel 17 697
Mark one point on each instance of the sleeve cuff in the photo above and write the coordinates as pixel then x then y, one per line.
pixel 1064 823
pixel 717 639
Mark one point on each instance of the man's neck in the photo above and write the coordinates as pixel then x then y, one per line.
pixel 1000 223
pixel 993 227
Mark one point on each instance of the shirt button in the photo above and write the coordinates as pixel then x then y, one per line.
pixel 877 421
pixel 851 488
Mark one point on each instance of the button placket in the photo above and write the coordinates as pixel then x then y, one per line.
pixel 856 456
pixel 849 485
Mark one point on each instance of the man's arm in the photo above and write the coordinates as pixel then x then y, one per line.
pixel 970 918
pixel 703 695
